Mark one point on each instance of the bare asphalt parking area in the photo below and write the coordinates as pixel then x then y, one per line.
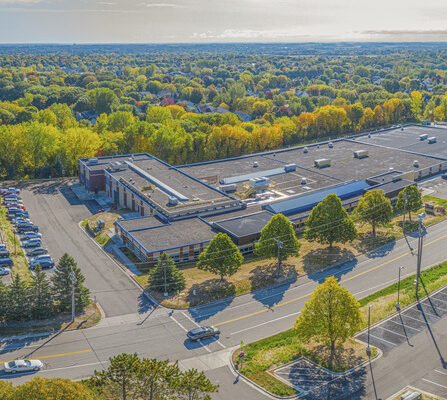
pixel 403 326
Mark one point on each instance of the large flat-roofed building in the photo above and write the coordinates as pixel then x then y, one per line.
pixel 181 208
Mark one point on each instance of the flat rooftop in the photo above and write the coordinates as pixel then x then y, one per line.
pixel 408 140
pixel 160 183
pixel 103 163
pixel 177 234
pixel 140 223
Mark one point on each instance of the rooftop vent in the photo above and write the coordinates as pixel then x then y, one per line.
pixel 330 145
pixel 290 167
pixel 255 164
pixel 432 140
pixel 92 161
pixel 424 136
pixel 369 136
pixel 305 150
pixel 173 201
pixel 416 163
pixel 303 181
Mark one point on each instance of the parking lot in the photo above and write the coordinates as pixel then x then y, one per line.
pixel 400 328
pixel 434 382
pixel 435 187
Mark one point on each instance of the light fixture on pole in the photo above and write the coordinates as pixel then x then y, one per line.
pixel 368 348
pixel 421 228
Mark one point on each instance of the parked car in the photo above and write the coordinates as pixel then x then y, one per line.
pixel 40 257
pixel 4 253
pixel 4 271
pixel 37 251
pixel 45 263
pixel 202 332
pixel 21 214
pixel 21 228
pixel 6 262
pixel 16 366
pixel 3 247
pixel 31 235
pixel 32 243
pixel 21 221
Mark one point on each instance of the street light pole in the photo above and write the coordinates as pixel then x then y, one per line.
pixel 368 348
pixel 398 290
pixel 73 286
pixel 420 245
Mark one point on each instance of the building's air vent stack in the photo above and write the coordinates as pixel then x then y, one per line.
pixel 173 201
pixel 416 163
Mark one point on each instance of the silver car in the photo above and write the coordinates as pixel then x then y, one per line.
pixel 4 271
pixel 17 366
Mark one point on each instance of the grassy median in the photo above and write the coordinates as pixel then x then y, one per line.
pixel 274 351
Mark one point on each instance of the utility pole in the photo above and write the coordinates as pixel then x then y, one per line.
pixel 279 246
pixel 398 290
pixel 420 245
pixel 73 286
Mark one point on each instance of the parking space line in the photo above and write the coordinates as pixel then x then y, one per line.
pixel 440 372
pixel 442 301
pixel 414 319
pixel 404 326
pixel 436 307
pixel 434 383
pixel 427 312
pixel 383 340
pixel 388 330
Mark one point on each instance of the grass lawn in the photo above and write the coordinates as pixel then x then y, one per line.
pixel 103 235
pixel 90 317
pixel 272 352
pixel 257 273
pixel 8 236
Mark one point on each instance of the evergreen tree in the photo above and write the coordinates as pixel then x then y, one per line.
pixel 62 284
pixel 4 300
pixel 409 200
pixel 19 300
pixel 329 222
pixel 41 295
pixel 221 257
pixel 278 239
pixel 195 385
pixel 166 267
pixel 375 208
pixel 331 316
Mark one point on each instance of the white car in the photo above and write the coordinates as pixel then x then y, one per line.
pixel 16 366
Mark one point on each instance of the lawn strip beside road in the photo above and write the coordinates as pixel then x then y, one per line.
pixel 274 351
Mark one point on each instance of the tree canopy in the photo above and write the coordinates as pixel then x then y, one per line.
pixel 374 208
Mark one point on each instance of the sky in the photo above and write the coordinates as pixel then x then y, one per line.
pixel 177 21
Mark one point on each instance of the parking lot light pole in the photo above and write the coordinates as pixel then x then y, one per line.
pixel 368 348
pixel 398 289
pixel 421 216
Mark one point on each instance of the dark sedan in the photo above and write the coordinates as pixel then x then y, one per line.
pixel 203 332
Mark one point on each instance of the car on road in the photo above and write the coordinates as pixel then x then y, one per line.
pixel 4 271
pixel 202 332
pixel 6 262
pixel 31 235
pixel 32 243
pixel 17 366
pixel 45 263
pixel 36 252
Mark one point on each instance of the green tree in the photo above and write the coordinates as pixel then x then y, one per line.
pixel 166 270
pixel 375 208
pixel 103 100
pixel 53 389
pixel 62 284
pixel 194 385
pixel 329 222
pixel 221 257
pixel 278 239
pixel 331 316
pixel 19 300
pixel 4 300
pixel 417 103
pixel 6 391
pixel 409 200
pixel 41 295
pixel 119 380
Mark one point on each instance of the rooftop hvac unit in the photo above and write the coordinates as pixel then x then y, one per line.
pixel 330 145
pixel 369 136
pixel 361 154
pixel 432 139
pixel 92 161
pixel 290 168
pixel 259 183
pixel 303 181
pixel 416 163
pixel 322 163
pixel 305 150
pixel 117 166
pixel 228 188
pixel 424 136
pixel 255 164
pixel 173 201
